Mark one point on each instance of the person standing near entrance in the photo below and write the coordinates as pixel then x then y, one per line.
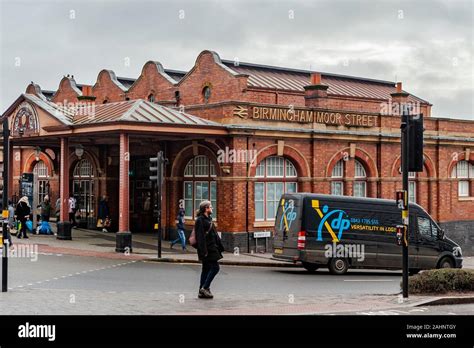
pixel 103 214
pixel 180 228
pixel 23 211
pixel 58 208
pixel 45 209
pixel 209 247
pixel 72 211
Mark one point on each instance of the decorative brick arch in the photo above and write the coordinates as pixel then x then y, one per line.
pixel 460 157
pixel 186 154
pixel 428 165
pixel 73 160
pixel 31 162
pixel 296 157
pixel 362 156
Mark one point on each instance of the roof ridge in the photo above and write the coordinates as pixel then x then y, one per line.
pixel 304 71
pixel 132 109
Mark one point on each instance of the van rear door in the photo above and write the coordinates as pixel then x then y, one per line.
pixel 287 227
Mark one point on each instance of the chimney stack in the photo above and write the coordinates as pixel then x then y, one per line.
pixel 399 98
pixel 316 94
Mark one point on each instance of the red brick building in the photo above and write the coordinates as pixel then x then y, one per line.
pixel 238 134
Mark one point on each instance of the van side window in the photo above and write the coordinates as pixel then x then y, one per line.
pixel 424 227
pixel 434 229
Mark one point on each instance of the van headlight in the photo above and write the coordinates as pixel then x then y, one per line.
pixel 457 251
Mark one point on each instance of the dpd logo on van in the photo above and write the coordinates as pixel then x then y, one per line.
pixel 335 220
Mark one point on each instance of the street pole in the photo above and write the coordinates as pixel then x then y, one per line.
pixel 159 183
pixel 405 129
pixel 6 175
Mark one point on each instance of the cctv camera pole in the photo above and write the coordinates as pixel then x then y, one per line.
pixel 405 129
pixel 6 175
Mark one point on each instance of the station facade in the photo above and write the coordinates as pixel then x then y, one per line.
pixel 238 134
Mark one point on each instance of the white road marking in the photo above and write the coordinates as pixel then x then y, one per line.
pixel 369 280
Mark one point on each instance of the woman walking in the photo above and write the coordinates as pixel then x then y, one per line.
pixel 209 247
pixel 23 211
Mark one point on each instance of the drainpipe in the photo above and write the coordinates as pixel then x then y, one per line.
pixel 247 201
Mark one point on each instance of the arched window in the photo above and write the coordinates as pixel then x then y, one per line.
pixel 41 170
pixel 359 188
pixel 41 175
pixel 360 183
pixel 464 172
pixel 151 98
pixel 199 185
pixel 275 176
pixel 337 175
pixel 206 94
pixel 83 169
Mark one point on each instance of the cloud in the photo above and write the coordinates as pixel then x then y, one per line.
pixel 426 44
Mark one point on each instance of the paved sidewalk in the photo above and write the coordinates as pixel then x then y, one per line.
pixel 101 244
pixel 144 247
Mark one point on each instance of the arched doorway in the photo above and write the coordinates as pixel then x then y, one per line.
pixel 83 190
pixel 41 182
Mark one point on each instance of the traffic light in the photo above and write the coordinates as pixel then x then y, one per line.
pixel 154 169
pixel 415 143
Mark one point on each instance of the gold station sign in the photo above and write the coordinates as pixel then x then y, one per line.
pixel 334 118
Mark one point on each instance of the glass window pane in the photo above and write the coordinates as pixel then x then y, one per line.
pixel 275 166
pixel 201 166
pixel 359 189
pixel 259 203
pixel 188 198
pixel 337 171
pixel 279 187
pixel 188 171
pixel 290 169
pixel 259 191
pixel 464 188
pixel 462 169
pixel 213 198
pixel 260 169
pixel 336 188
pixel 359 170
pixel 212 169
pixel 291 187
pixel 412 191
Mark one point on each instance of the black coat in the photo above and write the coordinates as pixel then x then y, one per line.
pixel 22 210
pixel 209 244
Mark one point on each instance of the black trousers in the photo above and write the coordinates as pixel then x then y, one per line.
pixel 23 228
pixel 209 271
pixel 72 219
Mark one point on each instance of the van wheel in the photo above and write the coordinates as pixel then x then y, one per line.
pixel 446 262
pixel 310 267
pixel 413 271
pixel 338 266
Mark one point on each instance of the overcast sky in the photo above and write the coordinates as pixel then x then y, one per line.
pixel 428 45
